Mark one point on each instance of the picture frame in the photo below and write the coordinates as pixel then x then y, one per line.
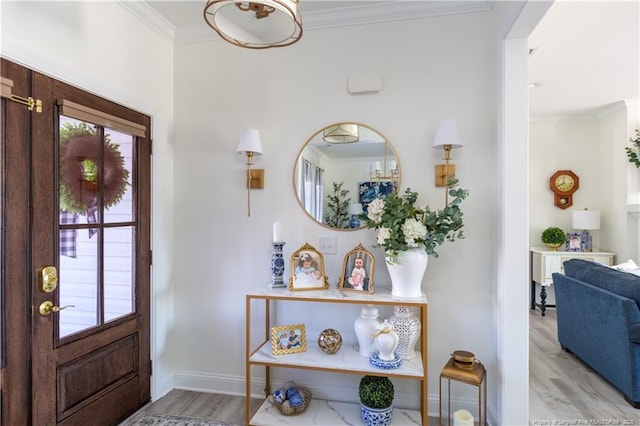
pixel 576 241
pixel 369 191
pixel 307 270
pixel 357 271
pixel 288 339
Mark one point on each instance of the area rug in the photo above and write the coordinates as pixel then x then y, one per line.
pixel 164 420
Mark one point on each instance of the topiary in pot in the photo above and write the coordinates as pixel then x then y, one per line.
pixel 553 237
pixel 376 399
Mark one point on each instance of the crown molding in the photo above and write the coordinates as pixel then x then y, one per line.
pixel 383 11
pixel 148 15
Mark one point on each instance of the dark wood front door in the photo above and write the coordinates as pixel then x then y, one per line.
pixel 75 255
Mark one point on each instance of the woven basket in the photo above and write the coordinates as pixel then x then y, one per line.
pixel 292 411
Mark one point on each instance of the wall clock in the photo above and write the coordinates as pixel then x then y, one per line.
pixel 564 183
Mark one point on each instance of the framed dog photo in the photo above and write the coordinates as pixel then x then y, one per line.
pixel 288 339
pixel 307 270
pixel 357 271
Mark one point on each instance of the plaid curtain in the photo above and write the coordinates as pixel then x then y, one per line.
pixel 68 236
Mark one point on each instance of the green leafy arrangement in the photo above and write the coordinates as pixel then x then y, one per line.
pixel 633 152
pixel 402 226
pixel 80 173
pixel 553 235
pixel 376 391
pixel 338 204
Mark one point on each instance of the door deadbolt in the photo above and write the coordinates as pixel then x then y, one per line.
pixel 47 279
pixel 47 308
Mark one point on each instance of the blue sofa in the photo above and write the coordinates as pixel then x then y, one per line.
pixel 598 311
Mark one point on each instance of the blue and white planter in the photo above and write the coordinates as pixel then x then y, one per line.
pixel 375 416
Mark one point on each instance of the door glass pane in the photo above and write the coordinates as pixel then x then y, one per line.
pixel 118 272
pixel 118 157
pixel 78 279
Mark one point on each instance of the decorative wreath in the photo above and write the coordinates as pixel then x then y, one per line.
pixel 79 171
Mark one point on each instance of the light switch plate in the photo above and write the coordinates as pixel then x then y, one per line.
pixel 328 245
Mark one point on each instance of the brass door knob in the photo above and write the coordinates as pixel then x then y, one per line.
pixel 47 308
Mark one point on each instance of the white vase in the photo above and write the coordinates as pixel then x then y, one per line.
pixel 364 326
pixel 407 271
pixel 386 341
pixel 407 325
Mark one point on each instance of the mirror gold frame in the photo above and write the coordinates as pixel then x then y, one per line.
pixel 344 164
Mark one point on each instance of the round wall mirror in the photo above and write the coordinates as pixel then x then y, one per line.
pixel 340 170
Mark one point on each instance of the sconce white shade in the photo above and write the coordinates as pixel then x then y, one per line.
pixel 257 24
pixel 354 208
pixel 250 142
pixel 376 166
pixel 585 219
pixel 393 165
pixel 341 133
pixel 447 134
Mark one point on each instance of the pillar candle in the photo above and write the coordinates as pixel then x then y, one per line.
pixel 277 232
pixel 462 418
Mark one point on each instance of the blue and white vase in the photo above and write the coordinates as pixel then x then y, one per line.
pixel 375 416
pixel 277 266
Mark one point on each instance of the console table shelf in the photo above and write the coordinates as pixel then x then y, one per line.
pixel 347 360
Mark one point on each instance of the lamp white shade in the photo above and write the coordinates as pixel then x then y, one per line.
pixel 447 134
pixel 354 208
pixel 393 165
pixel 585 219
pixel 244 23
pixel 250 142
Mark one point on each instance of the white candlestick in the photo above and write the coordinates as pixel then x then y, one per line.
pixel 277 232
pixel 462 418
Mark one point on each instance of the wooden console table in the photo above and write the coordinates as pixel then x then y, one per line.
pixel 545 262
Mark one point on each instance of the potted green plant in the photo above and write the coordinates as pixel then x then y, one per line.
pixel 553 237
pixel 376 400
pixel 337 204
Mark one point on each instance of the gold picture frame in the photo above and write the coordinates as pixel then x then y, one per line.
pixel 357 271
pixel 288 339
pixel 307 270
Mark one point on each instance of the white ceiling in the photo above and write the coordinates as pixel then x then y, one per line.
pixel 585 58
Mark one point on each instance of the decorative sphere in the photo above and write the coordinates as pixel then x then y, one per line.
pixel 330 341
pixel 279 395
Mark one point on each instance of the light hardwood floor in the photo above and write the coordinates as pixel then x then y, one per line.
pixel 562 390
pixel 565 390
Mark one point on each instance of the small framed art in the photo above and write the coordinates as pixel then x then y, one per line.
pixel 307 270
pixel 357 271
pixel 576 241
pixel 288 339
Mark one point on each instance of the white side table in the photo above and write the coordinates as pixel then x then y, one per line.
pixel 545 262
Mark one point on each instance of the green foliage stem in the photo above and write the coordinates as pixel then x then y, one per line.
pixel 338 204
pixel 633 152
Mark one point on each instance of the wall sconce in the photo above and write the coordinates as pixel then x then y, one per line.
pixel 447 138
pixel 250 145
pixel 585 220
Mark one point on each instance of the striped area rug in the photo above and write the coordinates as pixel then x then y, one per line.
pixel 164 420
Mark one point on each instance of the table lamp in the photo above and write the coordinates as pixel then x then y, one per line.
pixel 586 220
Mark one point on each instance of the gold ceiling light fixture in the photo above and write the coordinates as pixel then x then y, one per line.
pixel 341 133
pixel 255 24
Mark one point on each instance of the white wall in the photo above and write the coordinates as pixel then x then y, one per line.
pixel 102 48
pixel 445 67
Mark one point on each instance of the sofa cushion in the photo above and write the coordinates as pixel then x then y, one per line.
pixel 634 333
pixel 622 283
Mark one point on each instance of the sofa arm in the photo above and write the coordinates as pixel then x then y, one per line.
pixel 634 333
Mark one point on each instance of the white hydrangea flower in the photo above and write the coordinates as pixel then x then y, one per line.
pixel 375 210
pixel 413 230
pixel 383 234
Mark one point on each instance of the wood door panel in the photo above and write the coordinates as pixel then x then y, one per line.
pixel 83 380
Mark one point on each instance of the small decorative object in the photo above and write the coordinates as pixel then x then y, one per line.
pixel 376 400
pixel 277 266
pixel 307 267
pixel 338 204
pixel 365 325
pixel 79 163
pixel 386 340
pixel 564 183
pixel 553 237
pixel 407 326
pixel 633 151
pixel 405 230
pixel 357 271
pixel 288 339
pixel 464 360
pixel 330 341
pixel 375 361
pixel 355 210
pixel 575 241
pixel 291 399
pixel 462 418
